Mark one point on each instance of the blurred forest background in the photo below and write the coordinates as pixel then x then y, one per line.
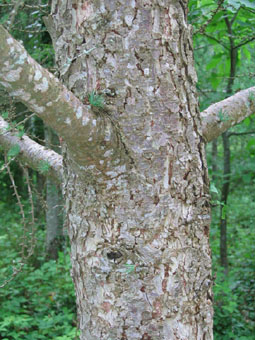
pixel 37 295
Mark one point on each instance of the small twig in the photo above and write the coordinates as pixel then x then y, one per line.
pixel 21 263
pixel 39 196
pixel 240 133
pixel 200 47
pixel 15 190
pixel 32 222
pixel 27 246
pixel 13 13
pixel 40 7
pixel 217 40
pixel 29 31
pixel 4 167
pixel 214 12
pixel 235 15
pixel 16 271
pixel 18 124
pixel 245 42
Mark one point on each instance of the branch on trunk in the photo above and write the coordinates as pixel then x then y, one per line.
pixel 31 153
pixel 45 95
pixel 220 116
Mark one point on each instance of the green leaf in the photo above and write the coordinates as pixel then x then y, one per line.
pixel 213 188
pixel 214 62
pixel 247 121
pixel 247 3
pixel 247 53
pixel 43 167
pixel 96 99
pixel 20 134
pixel 14 151
pixel 224 212
pixel 21 131
pixel 5 114
pixel 129 268
pixel 4 18
pixel 215 80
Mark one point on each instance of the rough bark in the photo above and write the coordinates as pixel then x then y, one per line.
pixel 139 233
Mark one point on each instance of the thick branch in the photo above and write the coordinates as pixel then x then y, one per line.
pixel 42 93
pixel 31 153
pixel 222 115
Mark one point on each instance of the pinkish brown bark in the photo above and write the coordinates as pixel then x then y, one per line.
pixel 139 222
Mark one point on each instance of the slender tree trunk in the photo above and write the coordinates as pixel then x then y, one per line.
pixel 40 196
pixel 54 224
pixel 224 198
pixel 214 160
pixel 227 156
pixel 139 216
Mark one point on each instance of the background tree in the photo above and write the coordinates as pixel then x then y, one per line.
pixel 24 20
pixel 216 60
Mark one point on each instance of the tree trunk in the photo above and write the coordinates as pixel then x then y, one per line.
pixel 224 199
pixel 54 225
pixel 139 216
pixel 215 161
pixel 134 171
pixel 233 53
pixel 53 220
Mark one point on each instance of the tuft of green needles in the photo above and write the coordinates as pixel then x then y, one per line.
pixel 95 99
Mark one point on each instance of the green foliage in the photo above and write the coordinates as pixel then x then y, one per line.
pixel 95 99
pixel 130 268
pixel 236 4
pixel 43 167
pixel 234 316
pixel 213 188
pixel 39 303
pixel 234 295
pixel 5 114
pixel 211 46
pixel 14 151
pixel 21 131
